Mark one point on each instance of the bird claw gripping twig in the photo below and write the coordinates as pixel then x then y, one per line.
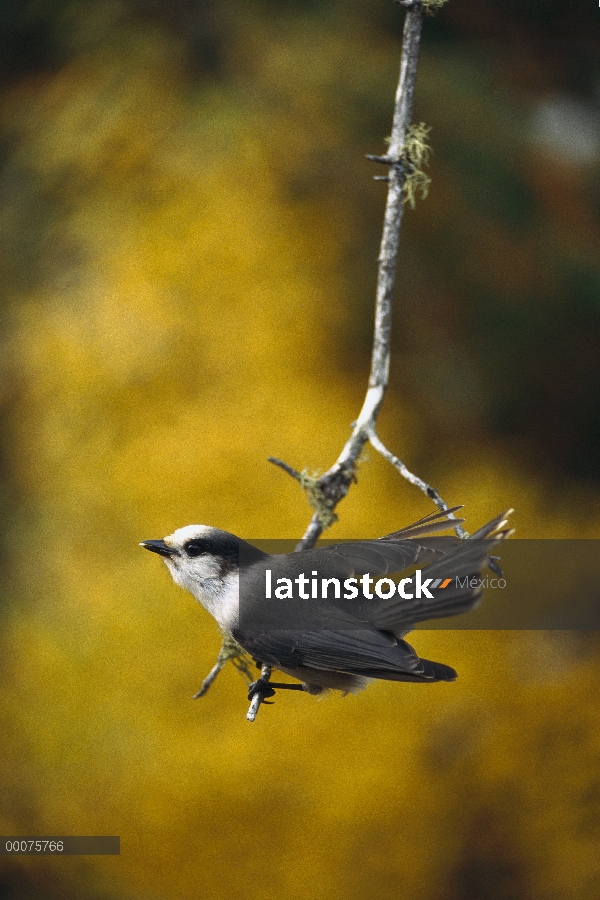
pixel 262 688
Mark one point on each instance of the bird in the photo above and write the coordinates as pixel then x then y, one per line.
pixel 323 638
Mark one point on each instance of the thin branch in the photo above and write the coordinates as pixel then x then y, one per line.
pixel 336 482
pixel 230 652
pixel 258 695
pixel 286 468
pixel 378 445
pixel 207 683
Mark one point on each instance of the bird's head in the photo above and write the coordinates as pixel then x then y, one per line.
pixel 201 559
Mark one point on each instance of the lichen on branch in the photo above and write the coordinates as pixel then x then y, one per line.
pixel 432 6
pixel 322 505
pixel 416 154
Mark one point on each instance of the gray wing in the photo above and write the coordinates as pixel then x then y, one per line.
pixel 377 558
pixel 370 654
pixel 339 562
pixel 393 552
pixel 448 557
pixel 383 556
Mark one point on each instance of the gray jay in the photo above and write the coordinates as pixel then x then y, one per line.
pixel 331 617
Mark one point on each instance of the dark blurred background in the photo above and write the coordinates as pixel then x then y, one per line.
pixel 501 275
pixel 189 241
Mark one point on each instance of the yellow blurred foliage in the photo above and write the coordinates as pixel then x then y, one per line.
pixel 189 340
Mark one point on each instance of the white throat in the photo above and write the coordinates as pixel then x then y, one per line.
pixel 219 596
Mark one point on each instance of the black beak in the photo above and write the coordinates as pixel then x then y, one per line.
pixel 159 547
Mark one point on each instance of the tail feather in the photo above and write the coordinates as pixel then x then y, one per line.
pixel 431 672
pixel 463 564
pixel 427 525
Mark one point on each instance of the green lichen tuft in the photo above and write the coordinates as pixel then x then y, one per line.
pixel 233 653
pixel 415 154
pixel 432 6
pixel 322 505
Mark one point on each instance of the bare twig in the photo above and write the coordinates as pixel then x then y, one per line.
pixel 336 482
pixel 286 468
pixel 378 445
pixel 259 695
pixel 230 652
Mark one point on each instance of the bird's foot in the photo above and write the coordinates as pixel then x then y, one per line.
pixel 261 688
pixel 267 689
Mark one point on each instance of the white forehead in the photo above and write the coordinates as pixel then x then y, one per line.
pixel 187 533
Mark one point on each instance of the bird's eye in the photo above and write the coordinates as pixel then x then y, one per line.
pixel 193 549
